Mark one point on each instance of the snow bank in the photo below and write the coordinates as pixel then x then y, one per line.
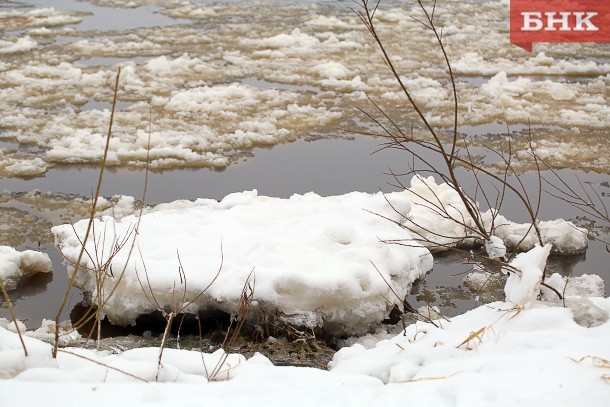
pixel 81 365
pixel 312 257
pixel 16 266
pixel 492 355
pixel 428 220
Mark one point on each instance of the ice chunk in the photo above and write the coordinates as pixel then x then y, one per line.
pixel 312 257
pixel 523 285
pixel 587 285
pixel 440 230
pixel 17 266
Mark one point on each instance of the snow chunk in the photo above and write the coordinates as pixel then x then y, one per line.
pixel 22 44
pixel 495 247
pixel 583 286
pixel 523 286
pixel 17 266
pixel 311 256
pixel 427 220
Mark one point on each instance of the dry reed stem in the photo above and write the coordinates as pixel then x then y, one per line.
pixel 103 364
pixel 10 308
pixel 425 379
pixel 91 215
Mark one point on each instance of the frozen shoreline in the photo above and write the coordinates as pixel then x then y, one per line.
pixel 536 355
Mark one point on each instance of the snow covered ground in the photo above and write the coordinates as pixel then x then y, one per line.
pixel 496 355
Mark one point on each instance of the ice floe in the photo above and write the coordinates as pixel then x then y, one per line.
pixel 317 261
pixel 439 231
pixel 16 266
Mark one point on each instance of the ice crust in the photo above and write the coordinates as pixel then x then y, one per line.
pixel 314 258
pixel 16 266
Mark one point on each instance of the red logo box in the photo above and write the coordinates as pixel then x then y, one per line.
pixel 558 21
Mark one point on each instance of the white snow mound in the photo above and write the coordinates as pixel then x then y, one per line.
pixel 16 266
pixel 312 257
pixel 76 365
pixel 492 355
pixel 523 285
pixel 436 207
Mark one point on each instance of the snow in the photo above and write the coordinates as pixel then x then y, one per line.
pixel 16 266
pixel 492 355
pixel 440 231
pixel 495 248
pixel 317 260
pixel 523 284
